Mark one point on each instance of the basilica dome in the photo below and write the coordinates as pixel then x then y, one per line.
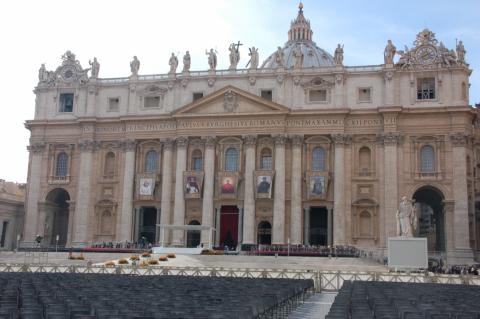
pixel 299 40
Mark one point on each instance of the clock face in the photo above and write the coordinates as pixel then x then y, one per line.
pixel 67 73
pixel 426 55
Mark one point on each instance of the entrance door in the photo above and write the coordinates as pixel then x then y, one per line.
pixel 264 233
pixel 148 223
pixel 431 218
pixel 229 226
pixel 318 226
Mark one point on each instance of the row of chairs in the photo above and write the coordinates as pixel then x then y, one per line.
pixel 362 299
pixel 56 295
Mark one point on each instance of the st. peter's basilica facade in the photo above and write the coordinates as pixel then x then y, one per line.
pixel 300 149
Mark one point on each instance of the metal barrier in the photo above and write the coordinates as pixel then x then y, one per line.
pixel 323 280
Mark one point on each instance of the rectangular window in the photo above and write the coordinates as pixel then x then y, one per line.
pixel 266 94
pixel 151 102
pixel 426 89
pixel 317 95
pixel 4 234
pixel 364 95
pixel 197 96
pixel 66 102
pixel 113 104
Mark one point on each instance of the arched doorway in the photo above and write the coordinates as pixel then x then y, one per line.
pixel 264 233
pixel 56 217
pixel 431 217
pixel 193 236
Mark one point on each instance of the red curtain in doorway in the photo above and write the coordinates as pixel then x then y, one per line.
pixel 229 226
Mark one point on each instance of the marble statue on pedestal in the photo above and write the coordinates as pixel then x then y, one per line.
pixel 94 69
pixel 338 57
pixel 406 218
pixel 135 65
pixel 186 62
pixel 173 62
pixel 389 52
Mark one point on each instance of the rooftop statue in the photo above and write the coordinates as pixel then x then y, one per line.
pixel 461 53
pixel 279 57
pixel 173 62
pixel 298 55
pixel 42 73
pixel 253 58
pixel 134 65
pixel 338 57
pixel 212 59
pixel 234 55
pixel 186 62
pixel 95 68
pixel 389 52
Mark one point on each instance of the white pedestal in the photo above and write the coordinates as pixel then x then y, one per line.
pixel 407 252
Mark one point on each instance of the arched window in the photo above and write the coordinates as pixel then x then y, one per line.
pixel 427 159
pixel 151 161
pixel 109 169
pixel 318 159
pixel 231 160
pixel 364 163
pixel 197 160
pixel 266 159
pixel 62 165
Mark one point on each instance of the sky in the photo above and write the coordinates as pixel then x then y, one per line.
pixel 33 32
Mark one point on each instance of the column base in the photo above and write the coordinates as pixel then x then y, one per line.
pixel 460 257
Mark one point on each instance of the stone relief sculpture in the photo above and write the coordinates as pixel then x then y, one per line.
pixel 212 59
pixel 135 65
pixel 186 62
pixel 389 52
pixel 279 57
pixel 234 55
pixel 406 218
pixel 173 62
pixel 338 56
pixel 253 58
pixel 95 68
pixel 298 55
pixel 461 52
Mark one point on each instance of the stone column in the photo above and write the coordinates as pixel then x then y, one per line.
pixel 278 236
pixel 249 196
pixel 390 182
pixel 330 226
pixel 83 207
pixel 460 196
pixel 166 205
pixel 217 226
pixel 296 191
pixel 33 191
pixel 208 183
pixel 179 205
pixel 125 221
pixel 339 189
pixel 306 230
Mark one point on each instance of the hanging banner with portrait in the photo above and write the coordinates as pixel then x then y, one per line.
pixel 317 185
pixel 227 186
pixel 146 186
pixel 263 183
pixel 193 184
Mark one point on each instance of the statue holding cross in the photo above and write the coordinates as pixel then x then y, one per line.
pixel 234 55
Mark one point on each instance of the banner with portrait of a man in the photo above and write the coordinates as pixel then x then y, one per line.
pixel 193 181
pixel 263 184
pixel 317 186
pixel 228 185
pixel 146 186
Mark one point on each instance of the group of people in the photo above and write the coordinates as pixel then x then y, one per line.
pixel 140 244
pixel 440 268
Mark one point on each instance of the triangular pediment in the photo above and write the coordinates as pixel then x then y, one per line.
pixel 230 101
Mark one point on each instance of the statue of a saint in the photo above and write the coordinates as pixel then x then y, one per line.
pixel 186 62
pixel 42 73
pixel 461 53
pixel 279 57
pixel 135 65
pixel 338 57
pixel 298 55
pixel 253 58
pixel 95 68
pixel 406 218
pixel 212 59
pixel 234 56
pixel 389 52
pixel 173 62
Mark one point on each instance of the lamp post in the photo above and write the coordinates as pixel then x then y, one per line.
pixel 56 242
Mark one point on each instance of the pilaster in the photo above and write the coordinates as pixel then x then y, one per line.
pixel 208 189
pixel 278 236
pixel 296 194
pixel 179 204
pixel 124 231
pixel 166 204
pixel 339 189
pixel 249 200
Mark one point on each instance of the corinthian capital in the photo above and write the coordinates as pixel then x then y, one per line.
pixel 297 140
pixel 250 140
pixel 459 138
pixel 391 138
pixel 341 139
pixel 128 145
pixel 88 145
pixel 182 141
pixel 36 148
pixel 210 141
pixel 279 139
pixel 167 144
